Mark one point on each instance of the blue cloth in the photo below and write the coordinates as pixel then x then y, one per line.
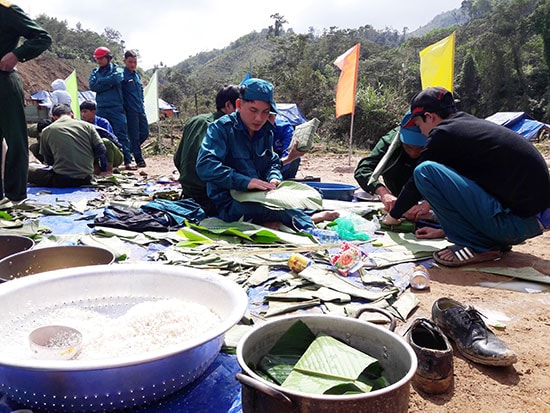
pixel 544 218
pixel 103 123
pixel 282 136
pixel 216 391
pixel 177 211
pixel 229 159
pixel 469 215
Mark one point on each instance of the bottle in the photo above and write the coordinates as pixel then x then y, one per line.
pixel 420 278
pixel 325 236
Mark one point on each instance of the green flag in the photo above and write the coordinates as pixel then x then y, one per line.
pixel 151 99
pixel 72 89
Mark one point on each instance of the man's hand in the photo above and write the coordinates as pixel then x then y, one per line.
pixel 387 198
pixel 389 220
pixel 294 153
pixel 260 185
pixel 428 233
pixel 8 62
pixel 420 211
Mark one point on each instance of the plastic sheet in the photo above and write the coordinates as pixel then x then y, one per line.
pixel 217 391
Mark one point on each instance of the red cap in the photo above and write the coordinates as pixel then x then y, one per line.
pixel 102 52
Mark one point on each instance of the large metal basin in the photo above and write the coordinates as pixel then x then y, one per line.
pixel 12 244
pixel 102 385
pixel 395 355
pixel 52 258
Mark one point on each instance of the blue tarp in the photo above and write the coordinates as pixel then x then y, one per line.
pixel 291 113
pixel 519 122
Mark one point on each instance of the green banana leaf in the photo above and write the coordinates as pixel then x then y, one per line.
pixel 288 195
pixel 286 352
pixel 328 365
pixel 244 230
pixel 524 273
pixel 334 281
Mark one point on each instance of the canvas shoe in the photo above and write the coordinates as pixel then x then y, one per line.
pixel 464 326
pixel 434 373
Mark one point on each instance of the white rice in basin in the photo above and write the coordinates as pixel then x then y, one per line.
pixel 146 327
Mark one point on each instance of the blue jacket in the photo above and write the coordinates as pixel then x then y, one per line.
pixel 107 83
pixel 132 90
pixel 229 158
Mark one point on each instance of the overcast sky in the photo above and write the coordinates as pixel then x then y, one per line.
pixel 170 31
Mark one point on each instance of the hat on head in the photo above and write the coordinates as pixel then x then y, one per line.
pixel 102 52
pixel 432 99
pixel 259 89
pixel 411 135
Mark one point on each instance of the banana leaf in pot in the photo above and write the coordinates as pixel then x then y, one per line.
pixel 394 354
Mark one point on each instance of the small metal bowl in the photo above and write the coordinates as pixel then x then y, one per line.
pixel 55 342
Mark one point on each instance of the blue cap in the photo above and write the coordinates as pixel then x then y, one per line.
pixel 259 89
pixel 411 135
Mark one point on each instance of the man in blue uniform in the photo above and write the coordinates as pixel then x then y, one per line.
pixel 106 81
pixel 132 91
pixel 237 154
pixel 14 24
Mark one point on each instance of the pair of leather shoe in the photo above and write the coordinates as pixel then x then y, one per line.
pixel 464 326
pixel 434 373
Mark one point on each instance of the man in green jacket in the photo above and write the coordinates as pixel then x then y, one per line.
pixel 69 147
pixel 185 158
pixel 14 24
pixel 398 168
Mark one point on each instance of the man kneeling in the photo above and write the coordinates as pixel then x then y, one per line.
pixel 69 147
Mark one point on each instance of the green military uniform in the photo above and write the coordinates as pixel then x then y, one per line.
pixel 397 172
pixel 185 159
pixel 14 24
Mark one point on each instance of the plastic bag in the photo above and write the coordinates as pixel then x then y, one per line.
pixel 352 227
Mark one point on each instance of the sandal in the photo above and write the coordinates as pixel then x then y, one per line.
pixel 129 167
pixel 464 256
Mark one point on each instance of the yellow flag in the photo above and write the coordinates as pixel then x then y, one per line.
pixel 437 64
pixel 151 99
pixel 347 83
pixel 72 89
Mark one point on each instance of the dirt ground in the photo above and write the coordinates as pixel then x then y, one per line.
pixel 520 388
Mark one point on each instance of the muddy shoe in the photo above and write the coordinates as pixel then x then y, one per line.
pixel 472 338
pixel 434 374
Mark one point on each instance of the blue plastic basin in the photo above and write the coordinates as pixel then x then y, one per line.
pixel 328 190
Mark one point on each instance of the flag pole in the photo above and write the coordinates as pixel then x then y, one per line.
pixel 351 137
pixel 159 140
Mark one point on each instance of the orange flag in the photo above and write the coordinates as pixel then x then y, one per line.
pixel 345 91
